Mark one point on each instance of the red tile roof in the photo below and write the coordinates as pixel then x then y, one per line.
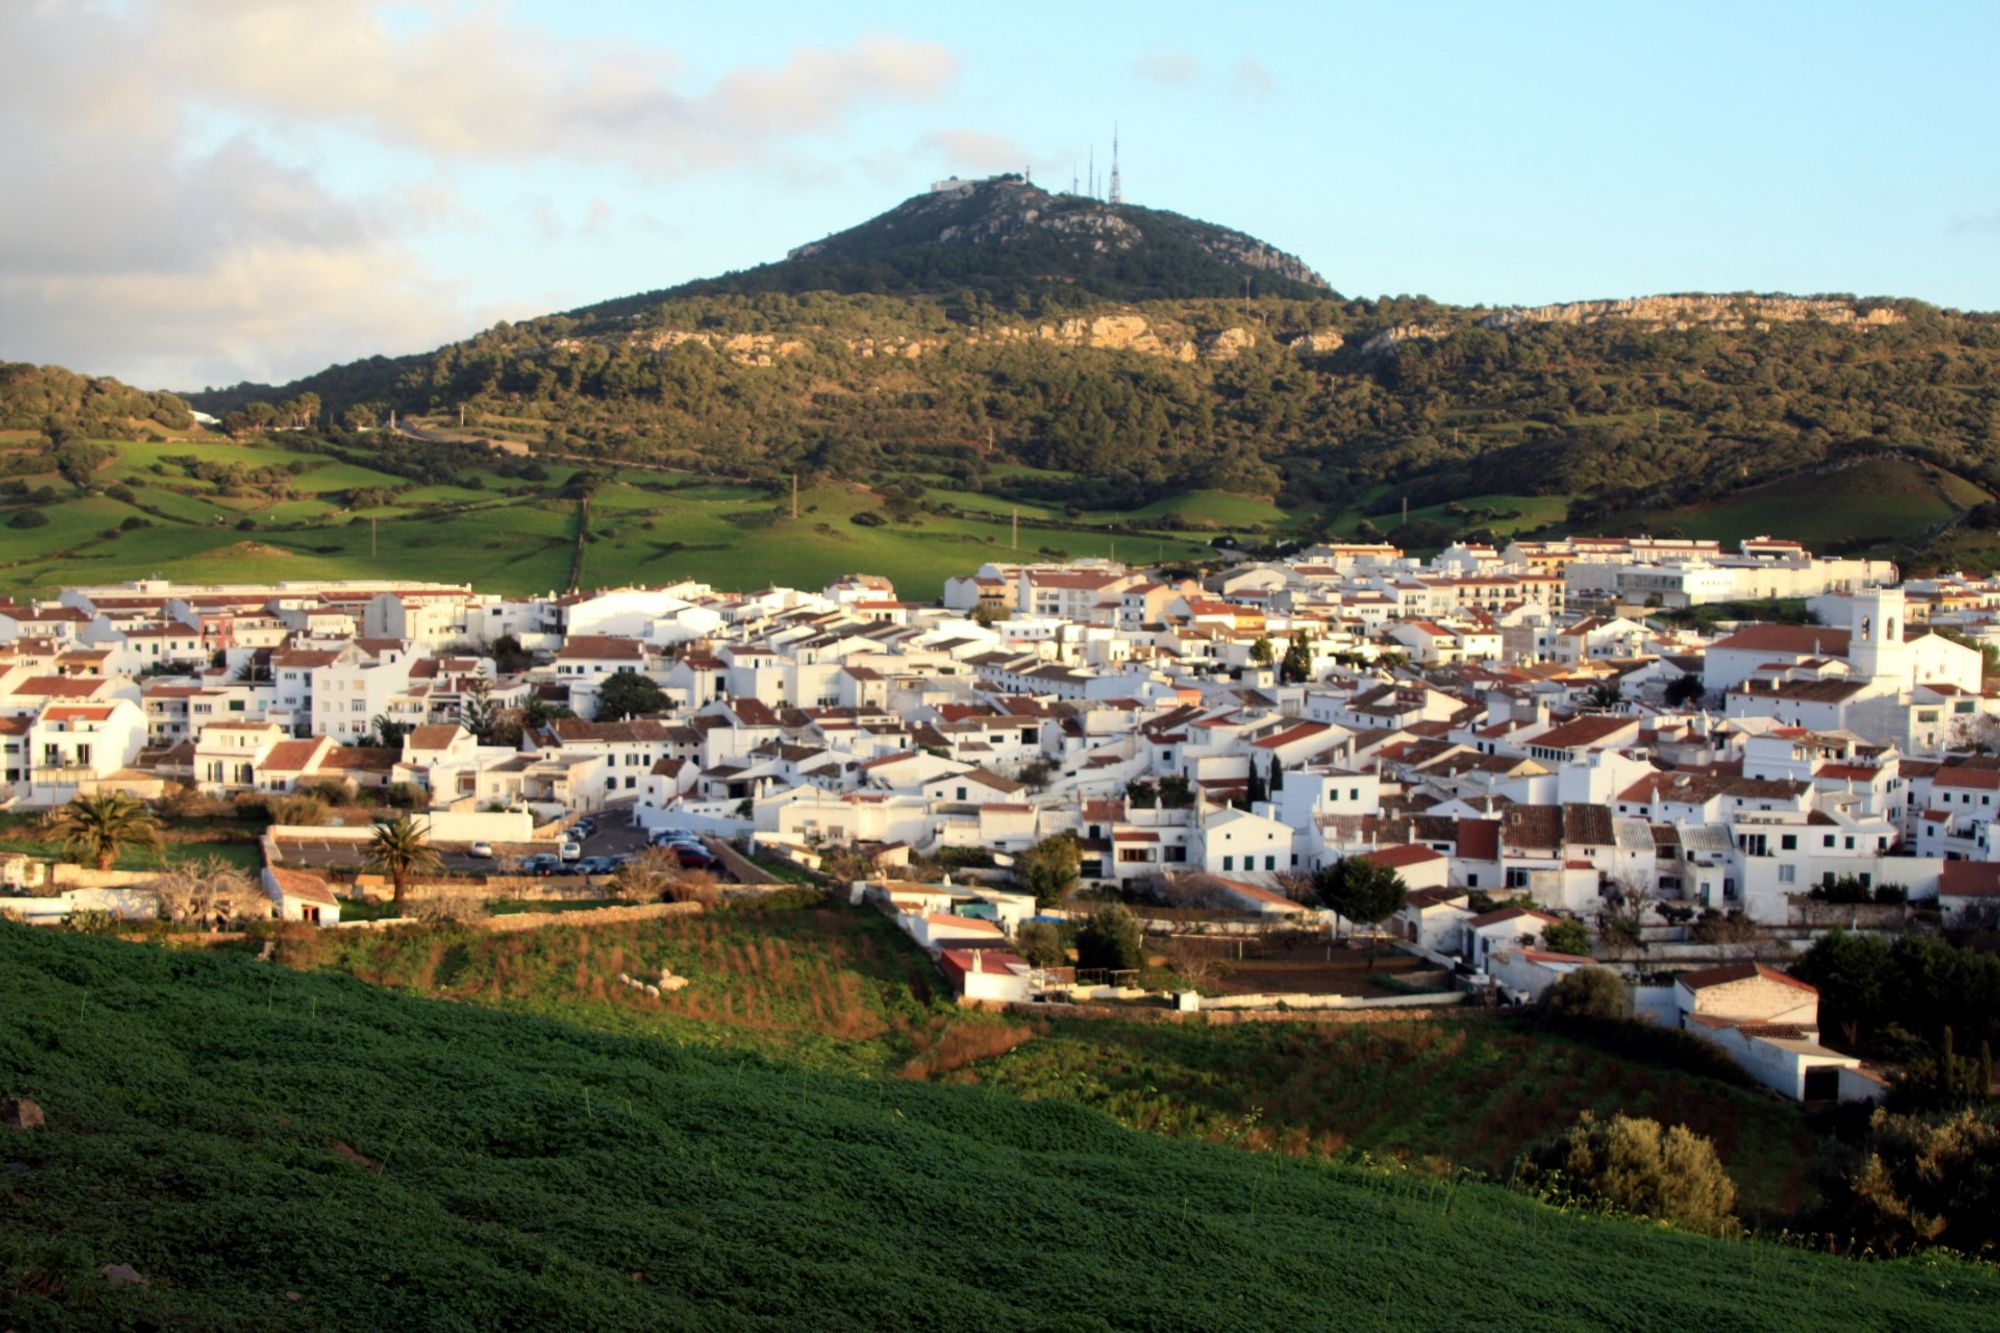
pixel 1727 973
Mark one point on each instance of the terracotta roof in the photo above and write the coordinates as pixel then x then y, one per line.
pixel 1727 973
pixel 302 884
pixel 1969 879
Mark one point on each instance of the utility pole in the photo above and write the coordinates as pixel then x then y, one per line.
pixel 461 416
pixel 795 495
pixel 1015 543
pixel 371 539
pixel 1406 510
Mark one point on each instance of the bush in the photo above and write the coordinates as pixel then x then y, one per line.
pixel 1589 992
pixel 1922 1181
pixel 1040 943
pixel 1111 940
pixel 1636 1166
pixel 1571 937
pixel 29 518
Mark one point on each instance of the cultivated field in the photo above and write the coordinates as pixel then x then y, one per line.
pixel 267 1148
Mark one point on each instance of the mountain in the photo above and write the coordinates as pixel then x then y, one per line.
pixel 1130 356
pixel 1005 237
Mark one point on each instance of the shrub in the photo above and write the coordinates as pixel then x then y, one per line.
pixel 1568 937
pixel 1040 943
pixel 1636 1166
pixel 1049 869
pixel 1923 1181
pixel 1111 940
pixel 29 518
pixel 1589 992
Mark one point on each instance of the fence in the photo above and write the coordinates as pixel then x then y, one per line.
pixel 1135 1013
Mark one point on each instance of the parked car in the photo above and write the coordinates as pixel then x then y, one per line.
pixel 541 863
pixel 694 858
pixel 570 850
pixel 583 828
pixel 594 865
pixel 482 850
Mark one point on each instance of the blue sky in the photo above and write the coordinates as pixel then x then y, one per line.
pixel 279 184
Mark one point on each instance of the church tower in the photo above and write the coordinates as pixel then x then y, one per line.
pixel 1876 648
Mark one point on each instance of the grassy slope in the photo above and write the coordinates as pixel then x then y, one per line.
pixel 1883 499
pixel 725 534
pixel 537 1174
pixel 843 989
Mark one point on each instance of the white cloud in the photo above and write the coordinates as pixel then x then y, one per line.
pixel 133 243
pixel 976 150
pixel 1253 78
pixel 1173 69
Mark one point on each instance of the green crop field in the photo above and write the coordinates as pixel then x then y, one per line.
pixel 504 536
pixel 1881 501
pixel 274 1149
pixel 842 988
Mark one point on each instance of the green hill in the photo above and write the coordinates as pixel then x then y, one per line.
pixel 273 1149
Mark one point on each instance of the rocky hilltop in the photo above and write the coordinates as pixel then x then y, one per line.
pixel 1006 238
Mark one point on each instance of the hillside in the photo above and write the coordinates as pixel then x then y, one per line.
pixel 267 1148
pixel 1134 356
pixel 842 989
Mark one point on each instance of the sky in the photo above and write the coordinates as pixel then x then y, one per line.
pixel 205 191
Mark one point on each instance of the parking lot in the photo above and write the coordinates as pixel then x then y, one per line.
pixel 615 835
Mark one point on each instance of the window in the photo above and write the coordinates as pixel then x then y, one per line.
pixel 961 793
pixel 1787 874
pixel 1229 863
pixel 1788 842
pixel 1826 841
pixel 1270 863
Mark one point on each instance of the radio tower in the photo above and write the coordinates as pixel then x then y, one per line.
pixel 1117 191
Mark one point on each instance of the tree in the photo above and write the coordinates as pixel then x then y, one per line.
pixel 389 733
pixel 1297 666
pixel 1589 992
pixel 1922 1180
pixel 211 893
pixel 1636 1165
pixel 626 694
pixel 1685 691
pixel 1141 794
pixel 477 712
pixel 1176 792
pixel 1628 899
pixel 1040 943
pixel 1111 940
pixel 1604 694
pixel 1362 893
pixel 101 827
pixel 1261 652
pixel 1049 869
pixel 1570 937
pixel 1037 773
pixel 399 851
pixel 1277 775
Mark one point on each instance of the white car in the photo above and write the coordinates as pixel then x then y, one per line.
pixel 569 851
pixel 482 850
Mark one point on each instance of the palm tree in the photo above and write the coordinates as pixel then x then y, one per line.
pixel 398 850
pixel 101 826
pixel 389 733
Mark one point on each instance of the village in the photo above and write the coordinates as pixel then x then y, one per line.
pixel 1555 762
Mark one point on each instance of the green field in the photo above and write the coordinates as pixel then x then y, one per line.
pixel 1882 501
pixel 843 989
pixel 273 1149
pixel 646 527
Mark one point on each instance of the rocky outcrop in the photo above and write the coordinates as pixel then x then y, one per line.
pixel 1685 312
pixel 20 1113
pixel 1388 338
pixel 1321 342
pixel 1226 344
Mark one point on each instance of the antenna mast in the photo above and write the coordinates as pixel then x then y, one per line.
pixel 1117 190
pixel 1093 171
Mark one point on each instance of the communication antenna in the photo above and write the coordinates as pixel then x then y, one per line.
pixel 1117 190
pixel 1093 171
